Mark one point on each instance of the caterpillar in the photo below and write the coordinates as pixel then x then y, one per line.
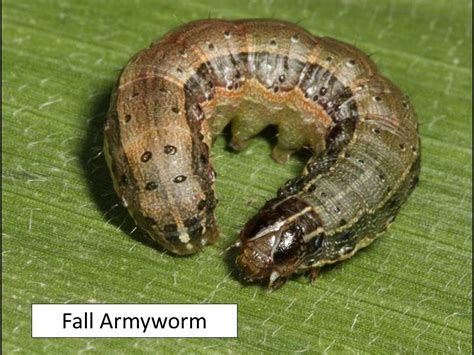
pixel 175 97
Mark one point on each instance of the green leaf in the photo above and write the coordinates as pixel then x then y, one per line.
pixel 67 240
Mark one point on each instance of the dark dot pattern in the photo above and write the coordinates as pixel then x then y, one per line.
pixel 179 179
pixel 152 185
pixel 170 149
pixel 146 156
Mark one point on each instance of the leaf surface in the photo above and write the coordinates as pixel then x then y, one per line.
pixel 67 240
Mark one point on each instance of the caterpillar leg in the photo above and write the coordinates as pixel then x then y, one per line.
pixel 275 281
pixel 243 129
pixel 314 274
pixel 281 154
pixel 290 139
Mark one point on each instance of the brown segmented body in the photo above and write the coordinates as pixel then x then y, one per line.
pixel 173 98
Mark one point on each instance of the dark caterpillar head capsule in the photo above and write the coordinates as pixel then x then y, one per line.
pixel 272 242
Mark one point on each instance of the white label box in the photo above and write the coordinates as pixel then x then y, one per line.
pixel 134 320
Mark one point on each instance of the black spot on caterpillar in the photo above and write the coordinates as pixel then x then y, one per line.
pixel 173 98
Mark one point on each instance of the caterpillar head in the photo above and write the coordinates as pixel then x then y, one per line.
pixel 272 242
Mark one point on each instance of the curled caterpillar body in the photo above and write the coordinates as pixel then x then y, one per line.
pixel 173 98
